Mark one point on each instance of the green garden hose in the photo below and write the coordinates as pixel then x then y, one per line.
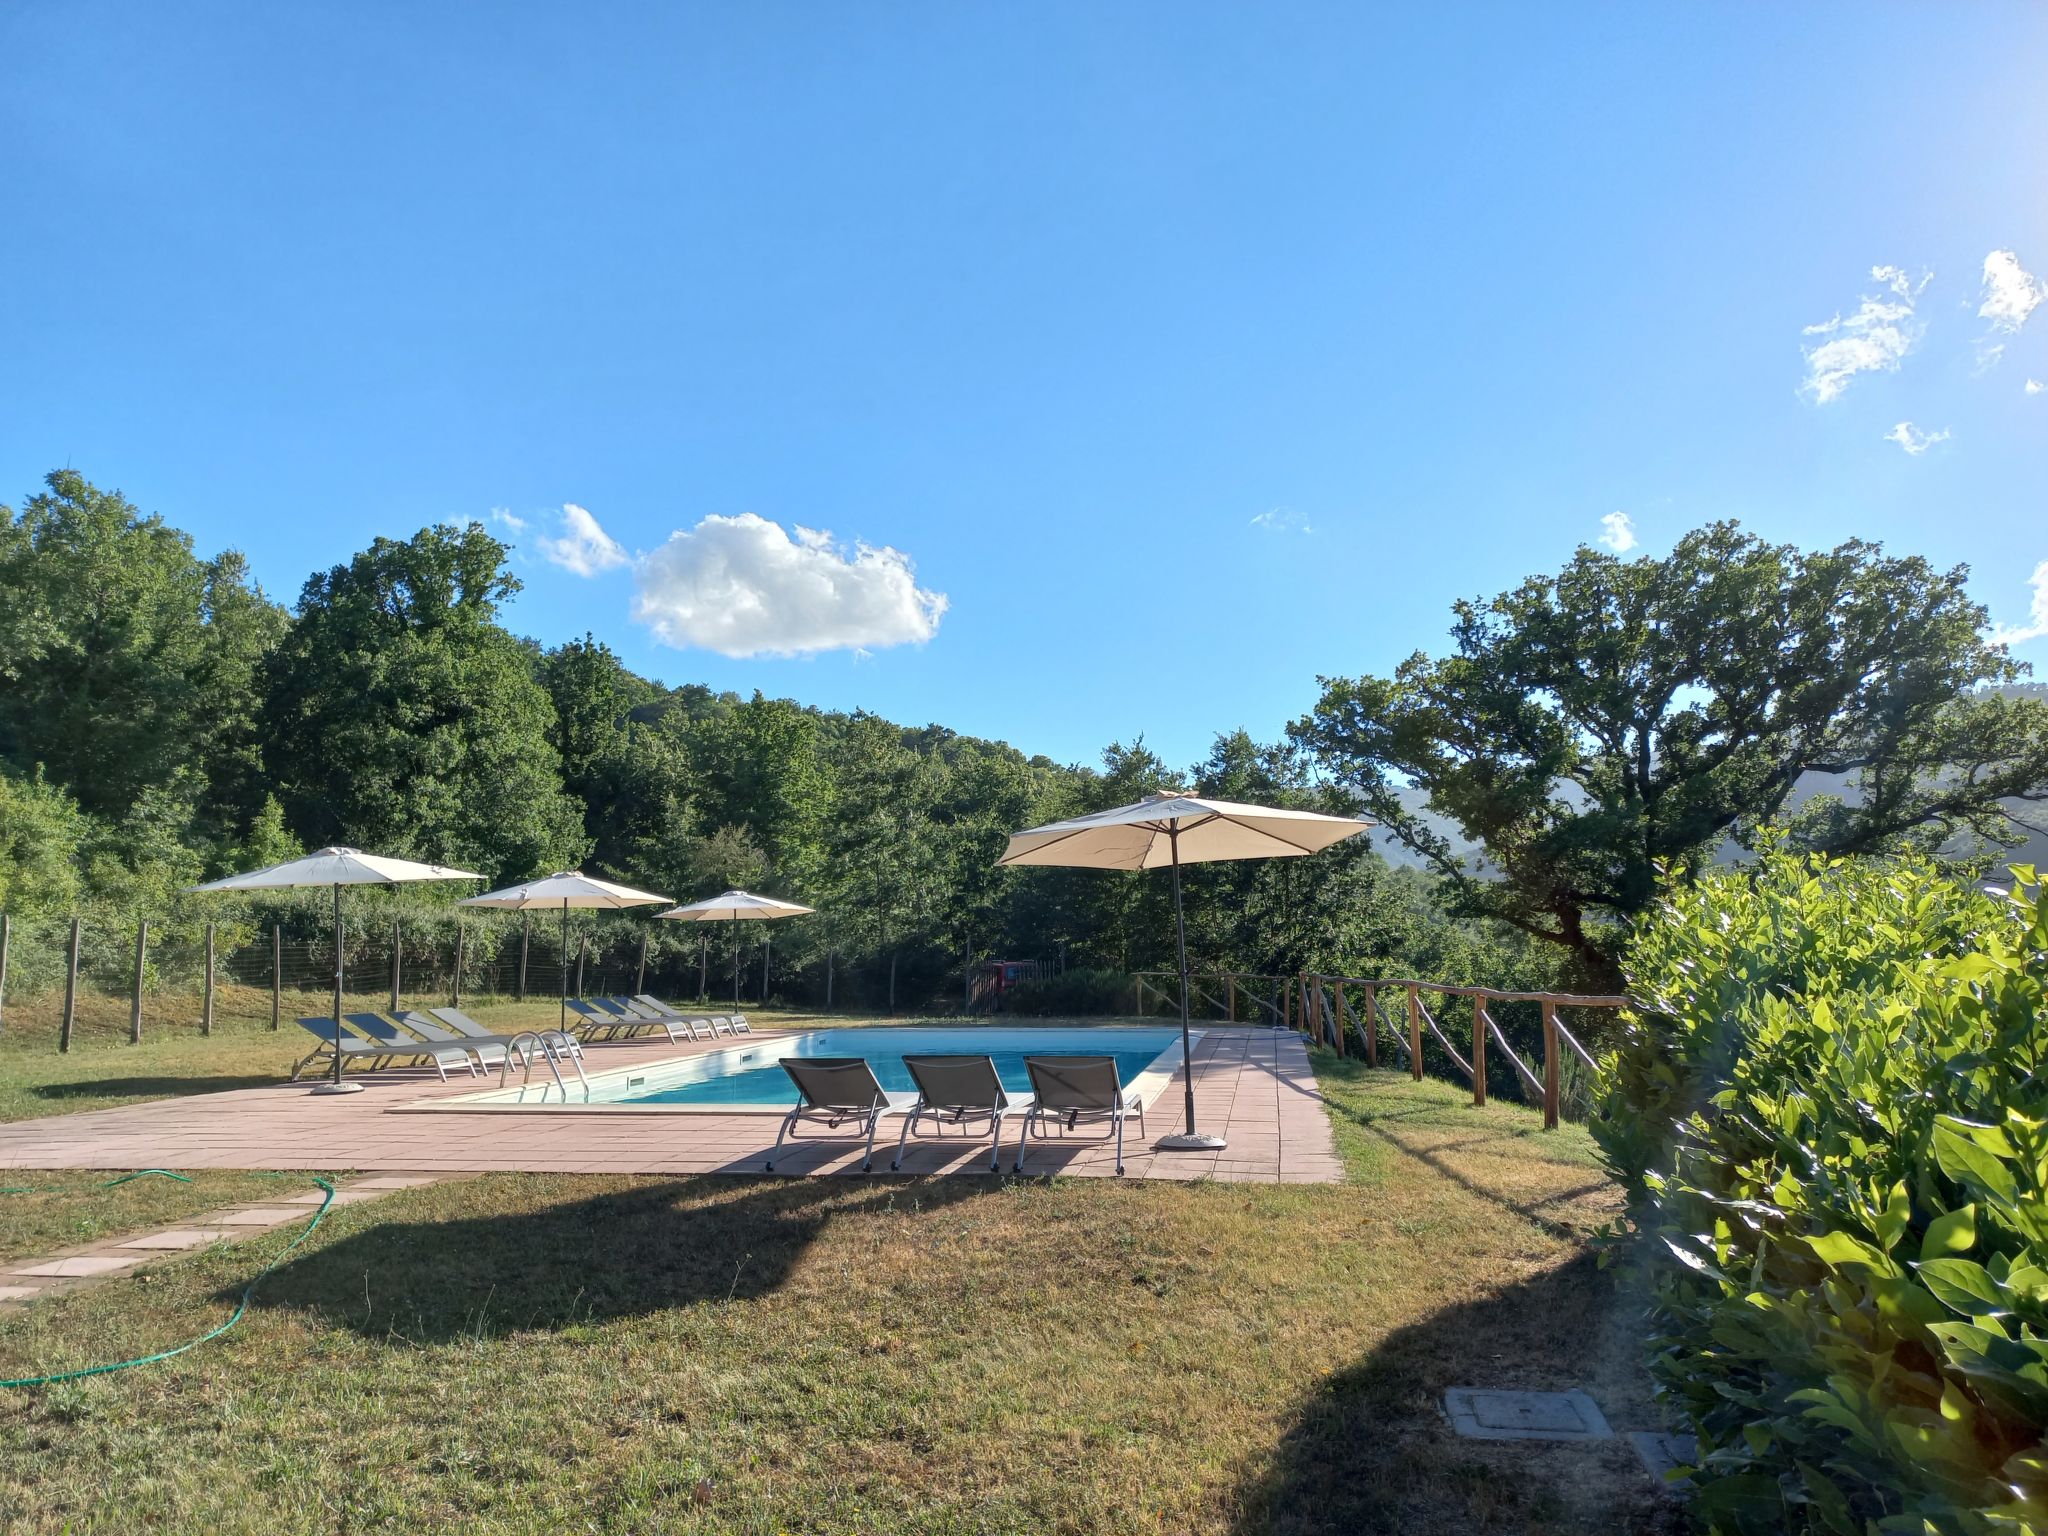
pixel 242 1306
pixel 58 1189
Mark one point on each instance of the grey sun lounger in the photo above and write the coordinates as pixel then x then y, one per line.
pixel 488 1053
pixel 956 1090
pixel 397 1043
pixel 468 1029
pixel 603 1024
pixel 833 1090
pixel 651 1013
pixel 352 1047
pixel 735 1023
pixel 1075 1088
pixel 622 1024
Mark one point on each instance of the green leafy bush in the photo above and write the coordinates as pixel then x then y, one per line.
pixel 1832 1118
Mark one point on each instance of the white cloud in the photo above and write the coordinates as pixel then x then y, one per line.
pixel 2011 292
pixel 1875 339
pixel 2035 386
pixel 1282 520
pixel 1913 440
pixel 505 517
pixel 742 586
pixel 1620 532
pixel 583 547
pixel 2037 613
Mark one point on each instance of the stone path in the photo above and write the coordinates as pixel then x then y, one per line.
pixel 24 1279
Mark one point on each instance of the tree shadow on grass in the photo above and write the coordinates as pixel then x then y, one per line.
pixel 1371 1451
pixel 623 1253
pixel 150 1087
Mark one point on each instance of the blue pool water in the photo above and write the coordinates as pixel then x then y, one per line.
pixel 751 1073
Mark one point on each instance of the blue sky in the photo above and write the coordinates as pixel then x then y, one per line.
pixel 1187 352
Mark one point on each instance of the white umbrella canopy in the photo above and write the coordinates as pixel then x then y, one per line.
pixel 569 888
pixel 1173 829
pixel 738 907
pixel 336 867
pixel 1189 829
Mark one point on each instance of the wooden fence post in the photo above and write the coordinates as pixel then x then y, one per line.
pixel 1372 1025
pixel 582 951
pixel 206 1009
pixel 1550 1066
pixel 1479 1053
pixel 397 961
pixel 828 981
pixel 276 972
pixel 461 954
pixel 704 965
pixel 1342 1026
pixel 1415 1031
pixel 70 991
pixel 1233 997
pixel 640 976
pixel 525 937
pixel 6 938
pixel 135 1004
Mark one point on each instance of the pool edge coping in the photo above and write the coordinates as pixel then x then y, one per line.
pixel 1149 1084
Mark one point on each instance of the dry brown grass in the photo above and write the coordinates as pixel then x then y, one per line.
pixel 529 1353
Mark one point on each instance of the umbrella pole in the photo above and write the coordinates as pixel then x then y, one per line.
pixel 337 985
pixel 564 1026
pixel 1190 1140
pixel 334 1084
pixel 735 960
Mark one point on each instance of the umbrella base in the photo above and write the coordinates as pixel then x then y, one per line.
pixel 337 1088
pixel 1180 1142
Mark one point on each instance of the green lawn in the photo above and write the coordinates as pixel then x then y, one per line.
pixel 103 1069
pixel 525 1353
pixel 43 1211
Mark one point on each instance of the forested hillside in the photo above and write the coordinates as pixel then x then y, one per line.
pixel 1595 733
pixel 165 719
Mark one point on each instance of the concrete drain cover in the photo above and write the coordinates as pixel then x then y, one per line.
pixel 1664 1454
pixel 1483 1414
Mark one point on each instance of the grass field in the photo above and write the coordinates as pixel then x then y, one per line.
pixel 102 1069
pixel 525 1353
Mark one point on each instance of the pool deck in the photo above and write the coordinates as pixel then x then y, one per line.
pixel 1254 1087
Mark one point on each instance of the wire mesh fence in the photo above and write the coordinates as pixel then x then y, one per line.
pixel 69 980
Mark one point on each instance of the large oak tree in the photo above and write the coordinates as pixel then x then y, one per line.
pixel 1591 726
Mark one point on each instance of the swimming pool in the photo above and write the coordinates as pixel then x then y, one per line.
pixel 748 1075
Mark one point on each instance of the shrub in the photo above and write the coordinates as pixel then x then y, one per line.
pixel 1831 1117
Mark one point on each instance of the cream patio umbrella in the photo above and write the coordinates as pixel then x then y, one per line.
pixel 336 867
pixel 571 888
pixel 1174 829
pixel 739 907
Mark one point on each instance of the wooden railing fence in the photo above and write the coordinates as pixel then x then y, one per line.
pixel 1393 1010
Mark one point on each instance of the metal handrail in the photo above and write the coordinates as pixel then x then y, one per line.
pixel 546 1047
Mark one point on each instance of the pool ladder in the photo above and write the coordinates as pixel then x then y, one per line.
pixel 543 1045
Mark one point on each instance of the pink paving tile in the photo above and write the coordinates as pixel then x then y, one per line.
pixel 341 1197
pixel 83 1264
pixel 258 1216
pixel 182 1237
